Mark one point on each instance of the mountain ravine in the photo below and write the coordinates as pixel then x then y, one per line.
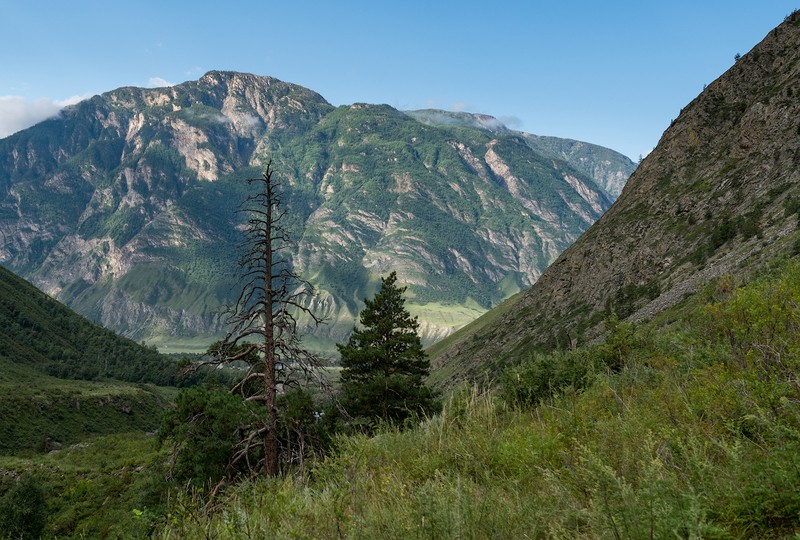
pixel 125 206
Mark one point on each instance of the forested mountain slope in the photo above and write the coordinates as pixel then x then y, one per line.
pixel 43 334
pixel 44 348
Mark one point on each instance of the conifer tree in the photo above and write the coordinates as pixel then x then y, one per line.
pixel 384 363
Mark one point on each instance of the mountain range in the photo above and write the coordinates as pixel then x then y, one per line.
pixel 125 206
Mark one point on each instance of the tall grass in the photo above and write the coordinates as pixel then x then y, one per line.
pixel 691 431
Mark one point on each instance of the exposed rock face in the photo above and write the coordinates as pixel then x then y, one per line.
pixel 125 207
pixel 609 169
pixel 716 196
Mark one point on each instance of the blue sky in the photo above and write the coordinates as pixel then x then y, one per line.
pixel 611 73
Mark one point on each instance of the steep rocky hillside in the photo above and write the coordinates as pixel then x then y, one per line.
pixel 609 169
pixel 124 207
pixel 719 195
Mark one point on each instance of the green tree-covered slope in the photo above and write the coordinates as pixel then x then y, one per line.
pixel 64 379
pixel 43 334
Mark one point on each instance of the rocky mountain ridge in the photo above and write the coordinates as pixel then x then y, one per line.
pixel 125 207
pixel 719 195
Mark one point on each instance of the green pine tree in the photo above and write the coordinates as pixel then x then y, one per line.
pixel 384 363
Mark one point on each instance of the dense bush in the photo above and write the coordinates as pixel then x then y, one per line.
pixel 23 509
pixel 208 424
pixel 203 430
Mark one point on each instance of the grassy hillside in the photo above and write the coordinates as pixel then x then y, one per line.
pixel 104 487
pixel 41 413
pixel 686 427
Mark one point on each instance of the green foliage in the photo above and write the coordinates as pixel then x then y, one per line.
pixel 209 423
pixel 203 430
pixel 42 413
pixel 621 341
pixel 40 332
pixel 761 323
pixel 302 435
pixel 747 225
pixel 725 231
pixel 384 363
pixel 23 509
pixel 628 297
pixel 543 375
pixel 92 487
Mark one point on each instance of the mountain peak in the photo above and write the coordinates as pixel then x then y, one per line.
pixel 217 77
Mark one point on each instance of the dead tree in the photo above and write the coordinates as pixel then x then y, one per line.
pixel 263 326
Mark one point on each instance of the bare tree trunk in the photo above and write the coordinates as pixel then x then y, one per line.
pixel 270 386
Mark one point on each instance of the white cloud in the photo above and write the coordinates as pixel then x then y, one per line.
pixel 18 113
pixel 158 82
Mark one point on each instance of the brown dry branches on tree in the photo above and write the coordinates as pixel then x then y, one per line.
pixel 263 335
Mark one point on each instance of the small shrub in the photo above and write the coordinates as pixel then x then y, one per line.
pixel 726 231
pixel 620 344
pixel 23 509
pixel 796 247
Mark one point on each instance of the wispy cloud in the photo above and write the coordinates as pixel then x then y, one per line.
pixel 18 113
pixel 158 82
pixel 460 106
